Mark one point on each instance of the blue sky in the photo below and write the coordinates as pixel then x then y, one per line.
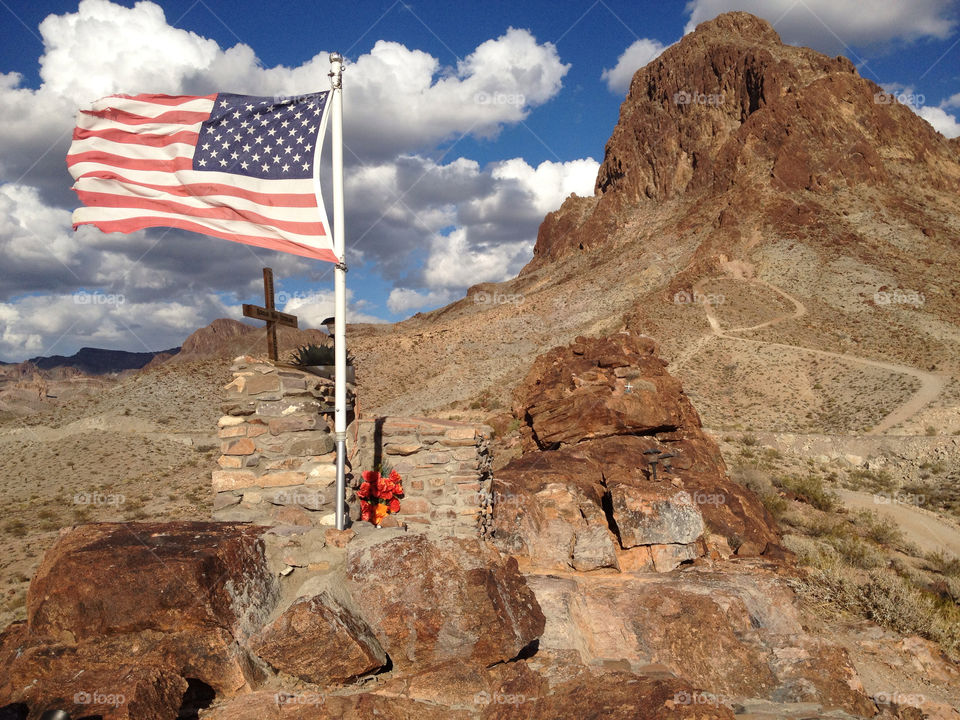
pixel 443 188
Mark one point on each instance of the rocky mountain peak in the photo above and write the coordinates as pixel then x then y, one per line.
pixel 731 112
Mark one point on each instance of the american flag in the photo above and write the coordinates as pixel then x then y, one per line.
pixel 238 167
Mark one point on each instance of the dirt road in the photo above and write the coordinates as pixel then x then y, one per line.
pixel 931 384
pixel 928 530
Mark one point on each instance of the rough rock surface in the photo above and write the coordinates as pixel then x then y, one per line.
pixel 109 578
pixel 735 633
pixel 730 107
pixel 598 388
pixel 168 603
pixel 432 600
pixel 319 641
pixel 504 692
pixel 586 474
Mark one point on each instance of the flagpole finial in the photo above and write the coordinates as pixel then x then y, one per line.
pixel 336 70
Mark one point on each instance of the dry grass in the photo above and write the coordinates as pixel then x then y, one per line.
pixel 140 448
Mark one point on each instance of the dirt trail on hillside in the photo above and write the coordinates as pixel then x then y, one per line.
pixel 931 384
pixel 929 531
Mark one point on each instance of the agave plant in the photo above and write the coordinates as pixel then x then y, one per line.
pixel 313 354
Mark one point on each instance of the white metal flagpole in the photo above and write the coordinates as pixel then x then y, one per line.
pixel 340 286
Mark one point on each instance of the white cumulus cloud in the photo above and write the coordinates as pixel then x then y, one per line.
pixel 399 104
pixel 403 300
pixel 640 53
pixel 828 25
pixel 942 121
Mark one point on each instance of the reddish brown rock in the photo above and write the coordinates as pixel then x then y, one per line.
pixel 557 523
pixel 575 393
pixel 311 705
pixel 109 578
pixel 735 634
pixel 730 115
pixel 45 673
pixel 142 692
pixel 174 597
pixel 319 641
pixel 244 446
pixel 651 516
pixel 612 696
pixel 339 538
pixel 582 441
pixel 431 601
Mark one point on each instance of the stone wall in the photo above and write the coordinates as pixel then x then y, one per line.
pixel 445 467
pixel 278 461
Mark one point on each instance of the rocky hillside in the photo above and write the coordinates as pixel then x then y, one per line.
pixel 225 338
pixel 774 220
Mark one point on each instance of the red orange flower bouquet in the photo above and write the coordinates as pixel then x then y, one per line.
pixel 379 495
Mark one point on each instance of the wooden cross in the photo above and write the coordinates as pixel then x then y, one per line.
pixel 269 315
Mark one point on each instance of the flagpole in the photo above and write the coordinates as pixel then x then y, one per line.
pixel 339 285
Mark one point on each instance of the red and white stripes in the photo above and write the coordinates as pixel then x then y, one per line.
pixel 132 162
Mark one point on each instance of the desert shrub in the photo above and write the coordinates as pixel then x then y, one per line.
pixel 811 491
pixel 943 563
pixel 775 504
pixel 758 481
pixel 888 600
pixel 880 530
pixel 81 514
pixel 313 354
pixel 810 552
pixel 853 551
pixel 877 481
pixel 17 528
pixel 886 534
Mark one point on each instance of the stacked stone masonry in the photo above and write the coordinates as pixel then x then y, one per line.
pixel 278 460
pixel 445 465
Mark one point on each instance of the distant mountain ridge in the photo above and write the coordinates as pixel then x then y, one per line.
pixel 100 361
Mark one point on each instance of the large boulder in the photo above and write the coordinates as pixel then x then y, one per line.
pixel 108 578
pixel 735 634
pixel 596 388
pixel 593 414
pixel 126 621
pixel 434 600
pixel 318 640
